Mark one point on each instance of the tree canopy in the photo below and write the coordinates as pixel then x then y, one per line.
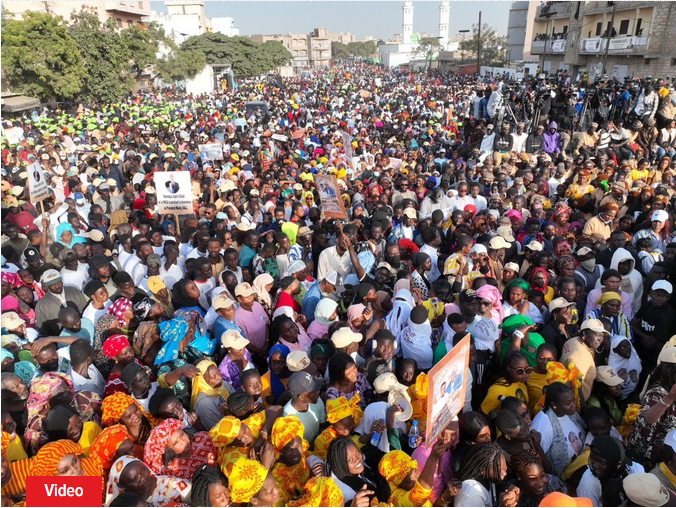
pixel 361 49
pixel 247 58
pixel 428 48
pixel 493 46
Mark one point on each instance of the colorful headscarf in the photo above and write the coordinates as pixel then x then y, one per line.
pixel 518 283
pixel 608 296
pixel 285 430
pixel 42 389
pixel 246 480
pixel 156 446
pixel 337 409
pixel 276 384
pixel 199 384
pixel 202 340
pixel 395 466
pixel 512 323
pixel 556 372
pixel 563 249
pixel 322 491
pixel 4 442
pixel 319 349
pixel 114 345
pixel 5 354
pixel 532 278
pixel 492 294
pixel 107 443
pixel 10 278
pixel 143 338
pixel 353 312
pixel 325 308
pixel 225 431
pixel 101 361
pixel 62 228
pixel 118 308
pixel 48 457
pixel 114 406
pixel 172 333
pixel 113 485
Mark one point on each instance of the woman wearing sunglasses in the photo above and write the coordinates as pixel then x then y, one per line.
pixel 515 372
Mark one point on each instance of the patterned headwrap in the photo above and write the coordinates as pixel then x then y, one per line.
pixel 4 443
pixel 337 409
pixel 285 430
pixel 631 414
pixel 246 480
pixel 114 345
pixel 49 456
pixel 608 296
pixel 10 278
pixel 395 465
pixel 42 389
pixel 113 486
pixel 143 338
pixel 563 249
pixel 107 443
pixel 172 332
pixel 115 405
pixel 199 384
pixel 156 446
pixel 556 372
pixel 321 491
pixel 225 431
pixel 118 308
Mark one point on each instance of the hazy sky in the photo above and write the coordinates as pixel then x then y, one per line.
pixel 381 19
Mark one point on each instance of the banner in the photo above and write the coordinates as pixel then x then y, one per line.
pixel 347 144
pixel 396 164
pixel 622 43
pixel 591 45
pixel 329 197
pixel 298 134
pixel 37 184
pixel 446 392
pixel 174 192
pixel 280 137
pixel 558 46
pixel 211 152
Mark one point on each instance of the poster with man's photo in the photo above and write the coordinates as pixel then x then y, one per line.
pixel 174 192
pixel 37 184
pixel 211 152
pixel 330 198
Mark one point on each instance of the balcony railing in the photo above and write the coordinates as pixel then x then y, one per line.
pixel 553 46
pixel 616 45
pixel 556 10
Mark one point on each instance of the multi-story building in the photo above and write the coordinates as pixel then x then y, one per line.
pixel 125 13
pixel 614 39
pixel 308 50
pixel 520 30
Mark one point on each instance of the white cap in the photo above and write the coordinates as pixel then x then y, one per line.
pixel 506 233
pixel 343 337
pixel 233 339
pixel 534 245
pixel 559 303
pixel 664 285
pixel 595 325
pixel 221 301
pixel 660 216
pixel 498 242
pixel 478 249
pixel 12 321
pixel 606 375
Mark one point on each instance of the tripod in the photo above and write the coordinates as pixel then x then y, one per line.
pixel 535 119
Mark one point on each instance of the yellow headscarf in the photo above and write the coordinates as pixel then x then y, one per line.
pixel 225 431
pixel 337 409
pixel 608 296
pixel 395 465
pixel 285 430
pixel 246 480
pixel 320 492
pixel 199 385
pixel 556 372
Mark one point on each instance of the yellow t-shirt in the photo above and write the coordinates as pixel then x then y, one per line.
pixel 90 431
pixel 536 386
pixel 500 388
pixel 15 450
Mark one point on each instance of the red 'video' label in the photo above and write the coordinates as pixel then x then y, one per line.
pixel 70 491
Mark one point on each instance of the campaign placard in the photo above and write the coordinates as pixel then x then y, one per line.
pixel 174 192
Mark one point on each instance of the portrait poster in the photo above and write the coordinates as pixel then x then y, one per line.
pixel 447 385
pixel 174 192
pixel 211 152
pixel 37 184
pixel 347 145
pixel 329 197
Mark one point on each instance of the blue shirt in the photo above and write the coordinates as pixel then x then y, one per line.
pixel 310 301
pixel 86 332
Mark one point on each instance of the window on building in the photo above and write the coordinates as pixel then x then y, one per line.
pixel 639 29
pixel 599 27
pixel 119 22
pixel 647 61
pixel 624 27
pixel 565 29
pixel 673 62
pixel 140 5
pixel 130 23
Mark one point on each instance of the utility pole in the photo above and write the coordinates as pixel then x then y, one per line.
pixel 463 32
pixel 610 32
pixel 478 47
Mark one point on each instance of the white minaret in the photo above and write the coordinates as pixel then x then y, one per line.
pixel 407 22
pixel 444 12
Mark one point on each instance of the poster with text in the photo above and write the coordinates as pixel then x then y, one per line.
pixel 174 192
pixel 446 393
pixel 330 198
pixel 347 144
pixel 37 184
pixel 211 152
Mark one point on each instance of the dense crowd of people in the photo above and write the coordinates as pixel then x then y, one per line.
pixel 258 353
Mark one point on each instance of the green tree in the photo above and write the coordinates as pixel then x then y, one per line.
pixel 428 48
pixel 143 43
pixel 363 49
pixel 493 46
pixel 40 58
pixel 339 50
pixel 277 53
pixel 180 65
pixel 105 56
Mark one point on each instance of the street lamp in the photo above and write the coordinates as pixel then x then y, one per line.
pixel 462 54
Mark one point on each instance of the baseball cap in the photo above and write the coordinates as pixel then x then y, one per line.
pixel 104 187
pixel 233 339
pixel 468 295
pixel 506 233
pixel 645 489
pixel 660 216
pixel 498 242
pixel 386 382
pixel 301 382
pixel 334 278
pixel 154 260
pixel 11 321
pixel 584 251
pixel 511 266
pixel 667 355
pixel 31 254
pixel 478 249
pixel 608 376
pixel 489 127
pixel 244 289
pixel 297 186
pixel 156 284
pixel 663 285
pixel 304 231
pixel 595 325
pixel 559 303
pixel 410 213
pixel 535 246
pixel 344 336
pixel 94 235
pixel 298 361
pixel 51 277
pixel 221 301
pixel 558 499
pixel 67 255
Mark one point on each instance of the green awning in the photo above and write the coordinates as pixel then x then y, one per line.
pixel 18 103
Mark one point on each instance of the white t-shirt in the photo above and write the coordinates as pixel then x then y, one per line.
pixel 533 312
pixel 175 273
pixel 95 383
pixel 519 142
pixel 75 278
pixel 93 314
pixel 473 493
pixel 573 434
pixel 311 419
pixel 417 347
pixel 485 332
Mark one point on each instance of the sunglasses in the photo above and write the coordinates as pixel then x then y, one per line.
pixel 520 371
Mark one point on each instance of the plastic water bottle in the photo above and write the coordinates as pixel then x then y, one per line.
pixel 413 435
pixel 375 439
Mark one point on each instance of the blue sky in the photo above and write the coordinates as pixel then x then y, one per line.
pixel 381 19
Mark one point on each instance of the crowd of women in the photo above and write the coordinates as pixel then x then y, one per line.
pixel 259 353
